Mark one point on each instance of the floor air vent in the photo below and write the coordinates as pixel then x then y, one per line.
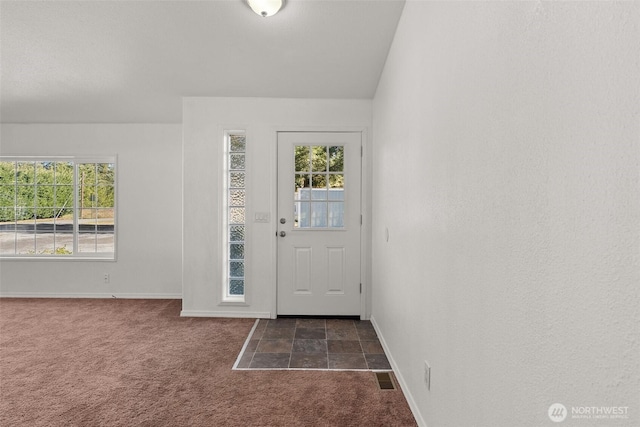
pixel 384 381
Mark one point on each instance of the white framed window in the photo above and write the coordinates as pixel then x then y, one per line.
pixel 58 207
pixel 234 217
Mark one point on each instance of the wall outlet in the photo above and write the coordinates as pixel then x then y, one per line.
pixel 106 278
pixel 427 375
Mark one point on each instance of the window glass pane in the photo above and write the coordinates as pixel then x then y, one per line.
pixel 105 220
pixel 336 181
pixel 26 195
pixel 236 179
pixel 318 214
pixel 44 216
pixel 64 173
pixel 319 180
pixel 44 195
pixel 25 240
pixel 336 214
pixel 105 174
pixel 87 241
pixel 302 191
pixel 236 251
pixel 236 287
pixel 6 215
pixel 336 159
pixel 7 241
pixel 319 158
pixel 236 161
pixel 302 158
pixel 64 242
pixel 236 198
pixel 105 242
pixel 236 143
pixel 105 196
pixel 45 172
pixel 7 196
pixel 336 194
pixel 236 216
pixel 25 172
pixel 7 173
pixel 236 268
pixel 301 215
pixel 25 214
pixel 44 243
pixel 236 233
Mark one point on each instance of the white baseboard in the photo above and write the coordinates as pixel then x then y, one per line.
pixel 396 370
pixel 87 295
pixel 236 314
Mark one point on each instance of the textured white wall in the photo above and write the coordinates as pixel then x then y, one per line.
pixel 506 169
pixel 149 219
pixel 205 120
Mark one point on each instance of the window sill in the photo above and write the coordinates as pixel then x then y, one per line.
pixel 56 258
pixel 234 301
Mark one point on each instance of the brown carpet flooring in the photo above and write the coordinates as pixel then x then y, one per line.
pixel 71 362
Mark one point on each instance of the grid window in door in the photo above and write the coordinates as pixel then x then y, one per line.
pixel 319 187
pixel 236 211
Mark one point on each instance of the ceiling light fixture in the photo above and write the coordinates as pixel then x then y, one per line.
pixel 265 8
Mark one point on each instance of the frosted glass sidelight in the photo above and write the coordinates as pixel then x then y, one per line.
pixel 235 204
pixel 236 287
pixel 236 161
pixel 236 268
pixel 236 198
pixel 236 179
pixel 236 233
pixel 236 251
pixel 236 215
pixel 237 143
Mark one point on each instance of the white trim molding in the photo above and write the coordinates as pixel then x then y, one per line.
pixel 234 314
pixel 396 370
pixel 88 295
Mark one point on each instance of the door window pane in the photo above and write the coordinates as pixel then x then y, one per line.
pixel 323 186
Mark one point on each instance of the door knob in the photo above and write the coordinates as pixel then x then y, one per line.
pixel 283 220
pixel 282 234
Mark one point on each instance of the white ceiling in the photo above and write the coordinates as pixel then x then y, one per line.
pixel 132 61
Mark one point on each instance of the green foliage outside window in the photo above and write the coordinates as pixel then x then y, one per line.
pixel 44 190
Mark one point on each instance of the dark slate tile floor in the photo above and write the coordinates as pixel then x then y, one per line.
pixel 289 343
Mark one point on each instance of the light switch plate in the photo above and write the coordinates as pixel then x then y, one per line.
pixel 262 217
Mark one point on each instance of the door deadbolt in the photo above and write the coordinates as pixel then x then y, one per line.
pixel 282 234
pixel 282 220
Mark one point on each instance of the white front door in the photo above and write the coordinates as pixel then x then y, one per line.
pixel 319 223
